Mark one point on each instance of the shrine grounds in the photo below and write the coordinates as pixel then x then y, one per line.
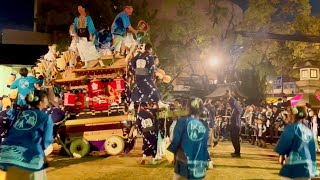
pixel 255 163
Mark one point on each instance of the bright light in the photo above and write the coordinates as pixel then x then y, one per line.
pixel 270 82
pixel 215 81
pixel 213 61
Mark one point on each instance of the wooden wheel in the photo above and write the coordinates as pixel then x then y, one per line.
pixel 114 145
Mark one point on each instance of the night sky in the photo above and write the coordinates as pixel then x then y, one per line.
pixel 14 16
pixel 21 17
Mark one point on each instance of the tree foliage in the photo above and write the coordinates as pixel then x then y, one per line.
pixel 282 17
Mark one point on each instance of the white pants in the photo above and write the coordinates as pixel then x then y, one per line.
pixel 87 50
pixel 117 42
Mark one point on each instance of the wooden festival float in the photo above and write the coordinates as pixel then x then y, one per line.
pixel 94 99
pixel 97 115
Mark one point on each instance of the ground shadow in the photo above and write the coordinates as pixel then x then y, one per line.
pixel 247 167
pixel 244 157
pixel 59 162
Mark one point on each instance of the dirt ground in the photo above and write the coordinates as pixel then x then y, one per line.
pixel 255 163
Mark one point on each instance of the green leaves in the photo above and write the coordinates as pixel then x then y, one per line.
pixel 283 17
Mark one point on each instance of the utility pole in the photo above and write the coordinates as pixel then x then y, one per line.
pixel 281 84
pixel 35 11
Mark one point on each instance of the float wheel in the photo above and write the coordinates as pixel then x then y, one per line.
pixel 114 145
pixel 79 147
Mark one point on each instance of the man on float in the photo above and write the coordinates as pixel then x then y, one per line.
pixel 145 96
pixel 84 27
pixel 119 29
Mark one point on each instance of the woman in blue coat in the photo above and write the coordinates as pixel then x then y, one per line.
pixel 190 144
pixel 298 146
pixel 23 152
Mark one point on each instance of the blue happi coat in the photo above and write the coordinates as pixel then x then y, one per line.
pixel 89 24
pixel 120 24
pixel 190 137
pixel 297 142
pixel 27 139
pixel 25 85
pixel 144 90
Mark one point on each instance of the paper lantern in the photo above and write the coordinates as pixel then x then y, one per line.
pixel 13 94
pixel 117 84
pixel 96 86
pixel 166 79
pixel 160 73
pixel 69 99
pixel 100 102
pixel 79 101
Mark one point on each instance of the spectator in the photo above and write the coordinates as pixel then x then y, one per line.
pixel 235 125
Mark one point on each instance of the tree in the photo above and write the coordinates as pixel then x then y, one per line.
pixel 195 34
pixel 283 17
pixel 265 57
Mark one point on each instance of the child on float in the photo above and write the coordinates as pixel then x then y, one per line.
pixel 297 150
pixel 189 144
pixel 23 152
pixel 25 85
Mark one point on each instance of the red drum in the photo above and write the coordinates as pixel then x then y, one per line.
pixel 69 99
pixel 117 84
pixel 79 102
pixel 96 86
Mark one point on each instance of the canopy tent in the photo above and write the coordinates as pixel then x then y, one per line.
pixel 222 89
pixel 311 99
pixel 299 100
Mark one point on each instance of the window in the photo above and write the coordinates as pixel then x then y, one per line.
pixel 313 73
pixel 304 74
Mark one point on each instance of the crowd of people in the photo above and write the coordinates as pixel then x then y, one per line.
pixel 294 130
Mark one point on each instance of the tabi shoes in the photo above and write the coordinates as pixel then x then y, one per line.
pixel 235 155
pixel 143 162
pixel 210 165
pixel 215 143
pixel 154 161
